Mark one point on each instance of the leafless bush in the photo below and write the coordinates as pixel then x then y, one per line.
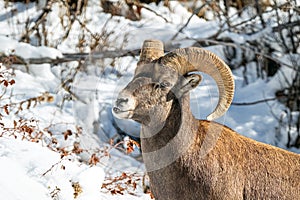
pixel 123 184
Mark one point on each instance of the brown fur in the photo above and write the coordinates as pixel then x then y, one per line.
pixel 242 168
pixel 235 168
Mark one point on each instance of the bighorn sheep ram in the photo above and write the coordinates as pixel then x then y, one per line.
pixel 190 159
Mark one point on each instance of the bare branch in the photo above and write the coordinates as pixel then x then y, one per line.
pixel 151 10
pixel 253 103
pixel 183 27
pixel 67 57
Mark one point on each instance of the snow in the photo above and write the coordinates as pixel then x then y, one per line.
pixel 26 51
pixel 90 181
pixel 25 174
pixel 37 169
pixel 22 168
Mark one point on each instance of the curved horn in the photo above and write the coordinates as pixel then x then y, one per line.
pixel 196 59
pixel 151 50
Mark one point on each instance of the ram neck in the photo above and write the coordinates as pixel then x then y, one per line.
pixel 176 126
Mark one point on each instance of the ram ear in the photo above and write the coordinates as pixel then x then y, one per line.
pixel 187 83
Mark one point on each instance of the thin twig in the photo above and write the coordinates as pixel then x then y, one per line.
pixel 188 21
pixel 50 169
pixel 38 21
pixel 151 10
pixel 183 27
pixel 68 57
pixel 253 103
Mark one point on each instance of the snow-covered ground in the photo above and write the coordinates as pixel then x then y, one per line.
pixel 45 163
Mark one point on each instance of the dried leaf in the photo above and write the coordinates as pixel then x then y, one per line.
pixel 129 149
pixel 130 146
pixel 94 160
pixel 12 81
pixel 124 175
pixel 6 109
pixel 67 133
pixel 5 83
pixel 54 141
pixel 50 99
pixel 76 148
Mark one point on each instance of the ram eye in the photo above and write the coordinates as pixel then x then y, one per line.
pixel 164 84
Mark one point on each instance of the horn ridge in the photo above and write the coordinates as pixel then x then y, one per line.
pixel 151 50
pixel 197 59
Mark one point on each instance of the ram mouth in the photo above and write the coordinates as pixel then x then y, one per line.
pixel 122 114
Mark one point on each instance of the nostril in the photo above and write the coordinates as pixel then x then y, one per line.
pixel 122 100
